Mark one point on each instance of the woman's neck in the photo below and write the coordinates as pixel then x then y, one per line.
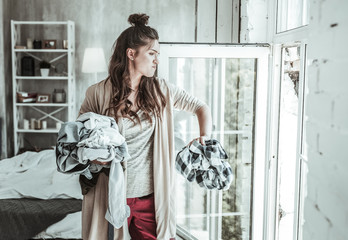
pixel 135 85
pixel 135 78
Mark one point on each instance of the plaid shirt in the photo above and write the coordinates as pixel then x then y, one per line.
pixel 205 164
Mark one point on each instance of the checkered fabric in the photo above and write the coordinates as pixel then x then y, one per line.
pixel 205 164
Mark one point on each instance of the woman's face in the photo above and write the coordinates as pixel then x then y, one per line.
pixel 146 60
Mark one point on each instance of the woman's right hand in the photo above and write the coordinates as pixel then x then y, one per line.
pixel 100 163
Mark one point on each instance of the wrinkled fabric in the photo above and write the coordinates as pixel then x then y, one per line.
pixel 99 138
pixel 205 164
pixel 96 137
pixel 92 120
pixel 35 175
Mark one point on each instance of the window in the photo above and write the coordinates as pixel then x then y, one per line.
pixel 287 141
pixel 228 85
pixel 227 78
pixel 287 177
pixel 291 14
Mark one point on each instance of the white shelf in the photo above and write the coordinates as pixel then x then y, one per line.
pixel 51 112
pixel 48 130
pixel 42 78
pixel 40 22
pixel 42 104
pixel 42 50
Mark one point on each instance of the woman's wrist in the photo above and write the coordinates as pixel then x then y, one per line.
pixel 205 135
pixel 203 138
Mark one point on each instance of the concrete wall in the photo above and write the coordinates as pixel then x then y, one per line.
pixel 99 22
pixel 5 80
pixel 326 209
pixel 254 21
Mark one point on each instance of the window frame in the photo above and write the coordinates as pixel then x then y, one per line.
pixel 278 5
pixel 278 40
pixel 260 52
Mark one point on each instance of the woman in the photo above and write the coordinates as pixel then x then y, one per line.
pixel 143 108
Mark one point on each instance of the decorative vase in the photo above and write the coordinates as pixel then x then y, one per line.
pixel 44 71
pixel 59 96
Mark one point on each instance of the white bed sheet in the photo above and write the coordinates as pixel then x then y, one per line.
pixel 35 175
pixel 69 227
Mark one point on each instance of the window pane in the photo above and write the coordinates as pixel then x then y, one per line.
pixel 287 149
pixel 304 145
pixel 192 208
pixel 291 14
pixel 228 87
pixel 233 227
pixel 237 199
pixel 303 195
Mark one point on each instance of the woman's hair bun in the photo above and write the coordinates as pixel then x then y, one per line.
pixel 138 19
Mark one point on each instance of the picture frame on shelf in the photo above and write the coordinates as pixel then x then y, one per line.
pixel 42 98
pixel 49 44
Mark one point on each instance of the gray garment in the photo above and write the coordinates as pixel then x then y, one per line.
pixel 66 151
pixel 98 138
pixel 139 140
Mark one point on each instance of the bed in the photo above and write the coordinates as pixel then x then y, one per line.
pixel 36 201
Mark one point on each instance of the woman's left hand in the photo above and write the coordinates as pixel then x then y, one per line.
pixel 200 139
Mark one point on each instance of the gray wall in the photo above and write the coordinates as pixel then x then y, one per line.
pixel 5 79
pixel 98 23
pixel 325 207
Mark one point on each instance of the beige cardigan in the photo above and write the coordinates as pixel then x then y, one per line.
pixel 97 100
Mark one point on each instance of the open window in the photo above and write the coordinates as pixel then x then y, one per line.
pixel 232 80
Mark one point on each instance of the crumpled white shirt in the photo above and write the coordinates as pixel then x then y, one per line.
pixel 106 144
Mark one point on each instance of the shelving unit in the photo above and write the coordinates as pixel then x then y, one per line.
pixel 50 112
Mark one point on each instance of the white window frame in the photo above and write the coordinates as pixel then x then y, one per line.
pixel 277 5
pixel 293 37
pixel 261 53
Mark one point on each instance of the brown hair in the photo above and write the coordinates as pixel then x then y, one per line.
pixel 150 99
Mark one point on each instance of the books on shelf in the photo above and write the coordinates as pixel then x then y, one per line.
pixel 25 97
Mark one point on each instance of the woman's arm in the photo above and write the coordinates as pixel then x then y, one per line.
pixel 205 123
pixel 184 101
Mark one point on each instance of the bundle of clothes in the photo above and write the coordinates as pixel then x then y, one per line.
pixel 205 164
pixel 96 137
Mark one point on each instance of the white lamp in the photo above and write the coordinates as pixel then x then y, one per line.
pixel 94 61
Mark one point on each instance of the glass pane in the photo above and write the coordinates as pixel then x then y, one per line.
pixel 304 145
pixel 233 229
pixel 291 14
pixel 288 140
pixel 303 195
pixel 237 200
pixel 228 87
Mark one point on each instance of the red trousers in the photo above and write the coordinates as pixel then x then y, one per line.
pixel 142 222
